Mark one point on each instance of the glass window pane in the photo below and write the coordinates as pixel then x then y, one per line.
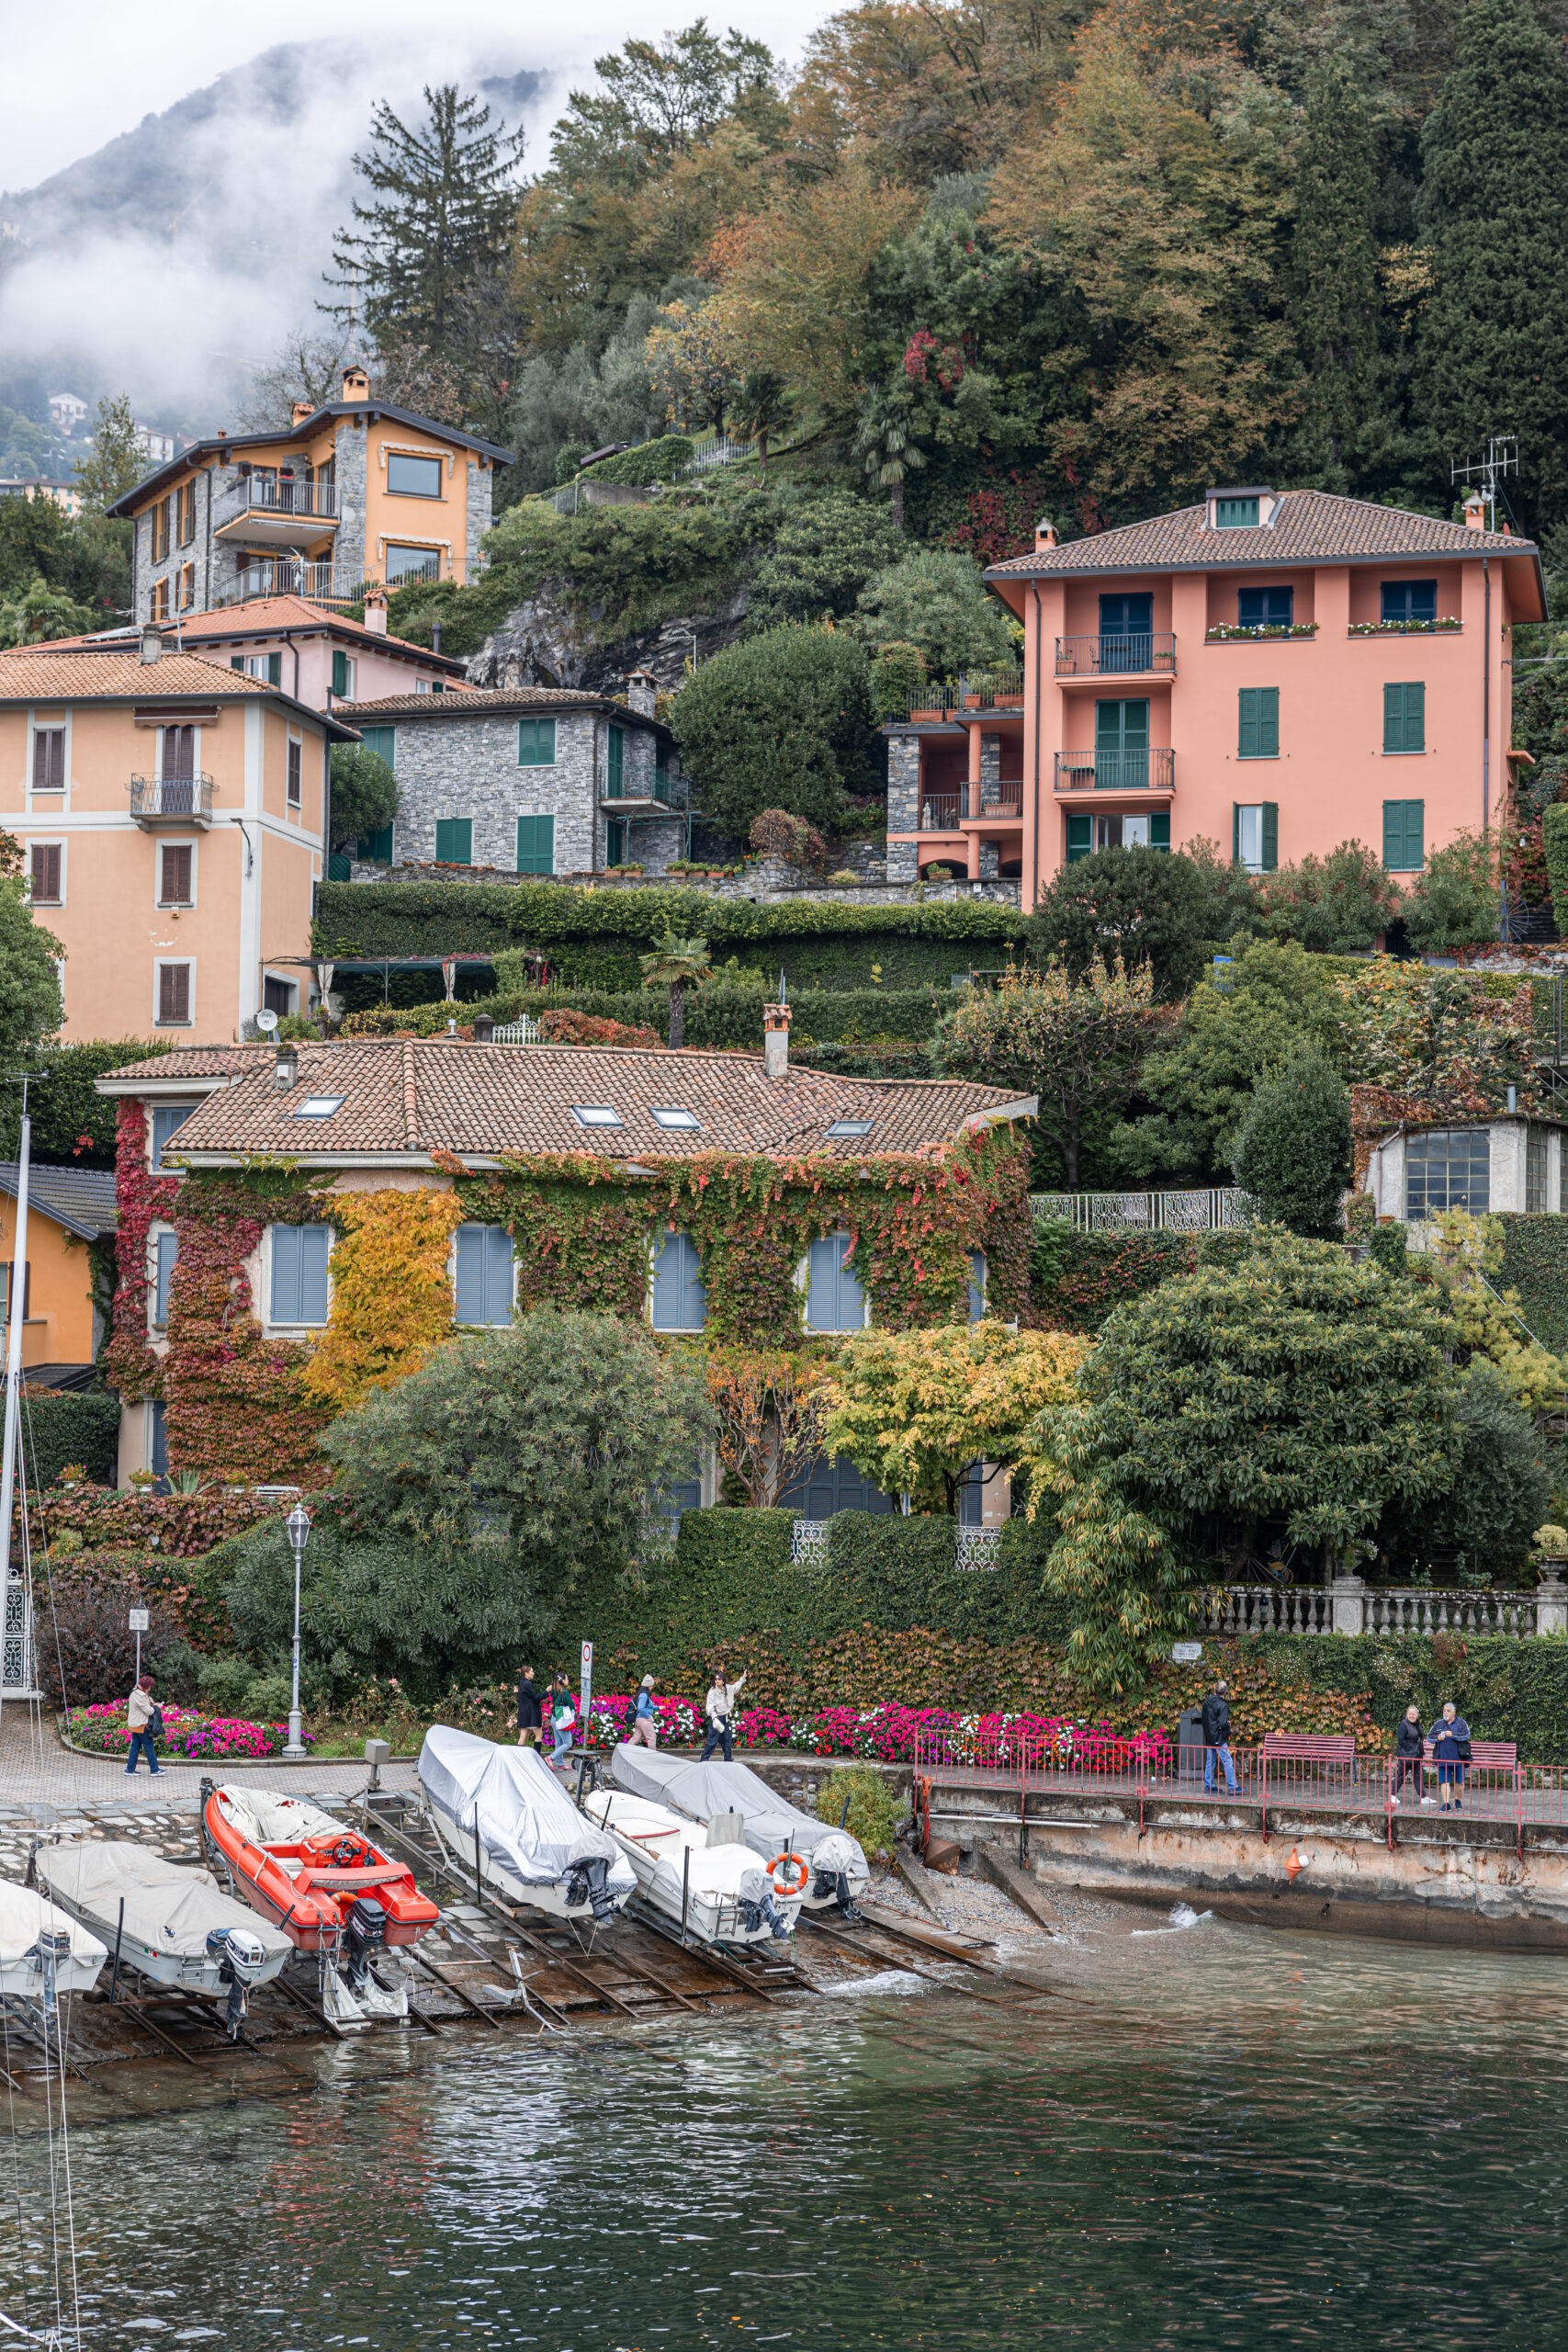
pixel 1446 1168
pixel 414 476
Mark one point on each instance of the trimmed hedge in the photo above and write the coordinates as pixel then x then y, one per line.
pixel 719 1015
pixel 1554 840
pixel 1505 1690
pixel 1535 1263
pixel 62 1425
pixel 650 461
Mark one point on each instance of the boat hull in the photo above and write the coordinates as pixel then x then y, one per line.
pixel 294 1882
pixel 705 1890
pixel 551 1897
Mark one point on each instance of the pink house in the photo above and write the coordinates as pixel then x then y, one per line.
pixel 316 655
pixel 1276 672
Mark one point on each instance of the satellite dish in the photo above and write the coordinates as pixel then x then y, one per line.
pixel 266 1023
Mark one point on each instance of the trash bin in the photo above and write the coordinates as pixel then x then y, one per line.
pixel 1189 1749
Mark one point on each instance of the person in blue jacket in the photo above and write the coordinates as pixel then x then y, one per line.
pixel 1449 1736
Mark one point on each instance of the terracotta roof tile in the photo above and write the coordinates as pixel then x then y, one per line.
pixel 411 1097
pixel 117 672
pixel 267 617
pixel 1311 527
pixel 481 698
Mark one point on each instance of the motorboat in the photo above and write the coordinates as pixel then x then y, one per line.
pixel 700 1874
pixel 503 1809
pixel 174 1925
pixel 43 1951
pixel 837 1869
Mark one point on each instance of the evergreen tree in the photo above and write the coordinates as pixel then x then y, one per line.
pixel 117 461
pixel 1496 163
pixel 444 199
pixel 1292 1147
pixel 1336 255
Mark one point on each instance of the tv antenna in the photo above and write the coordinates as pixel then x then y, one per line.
pixel 1502 458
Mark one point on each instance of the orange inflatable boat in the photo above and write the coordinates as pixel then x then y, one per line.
pixel 308 1873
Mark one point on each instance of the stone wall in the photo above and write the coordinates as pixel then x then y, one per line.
pixel 481 484
pixel 761 892
pixel 468 767
pixel 903 806
pixel 349 444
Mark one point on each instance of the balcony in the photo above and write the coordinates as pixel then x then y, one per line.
pixel 1150 653
pixel 1153 771
pixel 938 704
pixel 628 799
pixel 170 801
pixel 279 510
pixel 281 575
pixel 977 804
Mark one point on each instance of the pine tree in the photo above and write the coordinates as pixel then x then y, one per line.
pixel 1496 163
pixel 118 459
pixel 446 197
pixel 1335 254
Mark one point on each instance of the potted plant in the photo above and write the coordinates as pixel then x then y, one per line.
pixel 1550 1553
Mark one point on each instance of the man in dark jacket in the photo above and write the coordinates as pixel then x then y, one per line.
pixel 529 1699
pixel 1408 1748
pixel 1216 1717
pixel 1449 1736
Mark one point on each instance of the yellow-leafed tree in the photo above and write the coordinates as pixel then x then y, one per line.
pixel 391 1292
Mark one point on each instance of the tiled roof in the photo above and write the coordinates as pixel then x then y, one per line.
pixel 268 616
pixel 226 444
pixel 1310 526
pixel 478 699
pixel 117 672
pixel 407 1098
pixel 81 1199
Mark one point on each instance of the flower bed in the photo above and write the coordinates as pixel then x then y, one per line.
pixel 610 1719
pixel 1444 621
pixel 104 1731
pixel 896 1735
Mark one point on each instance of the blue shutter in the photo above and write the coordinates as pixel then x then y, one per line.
pixel 680 1294
pixel 484 1263
pixel 166 1117
pixel 835 1300
pixel 168 1252
pixel 977 1285
pixel 300 1273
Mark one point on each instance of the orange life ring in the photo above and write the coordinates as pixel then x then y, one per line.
pixel 787 1886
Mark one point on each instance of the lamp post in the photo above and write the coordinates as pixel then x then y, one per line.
pixel 299 1526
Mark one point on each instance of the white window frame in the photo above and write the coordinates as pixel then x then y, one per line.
pixel 51 803
pixel 155 1231
pixel 158 964
pixel 1246 809
pixel 46 840
pixel 299 1330
pixel 292 807
pixel 174 841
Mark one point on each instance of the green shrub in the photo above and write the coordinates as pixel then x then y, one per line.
pixel 650 461
pixel 73 1126
pixel 1084 1277
pixel 61 1426
pixel 1292 1146
pixel 858 1798
pixel 778 721
pixel 1535 1263
pixel 222 1682
pixel 267 1699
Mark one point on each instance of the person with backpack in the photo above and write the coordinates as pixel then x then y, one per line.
pixel 146 1720
pixel 1449 1736
pixel 645 1716
pixel 1217 1716
pixel 720 1711
pixel 563 1716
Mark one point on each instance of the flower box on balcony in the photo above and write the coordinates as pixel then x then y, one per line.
pixel 1447 624
pixel 1239 633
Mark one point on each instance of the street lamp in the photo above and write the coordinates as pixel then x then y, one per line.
pixel 299 1526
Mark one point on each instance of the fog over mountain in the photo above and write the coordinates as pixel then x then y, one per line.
pixel 174 259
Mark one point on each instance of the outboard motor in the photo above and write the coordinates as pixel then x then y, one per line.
pixel 589 1882
pixel 49 1955
pixel 244 1956
pixel 367 1934
pixel 754 1901
pixel 830 1875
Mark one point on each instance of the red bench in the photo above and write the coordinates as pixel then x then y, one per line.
pixel 1497 1755
pixel 1309 1748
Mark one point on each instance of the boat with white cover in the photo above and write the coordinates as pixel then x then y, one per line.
pixel 773 1827
pixel 700 1874
pixel 43 1951
pixel 172 1924
pixel 533 1844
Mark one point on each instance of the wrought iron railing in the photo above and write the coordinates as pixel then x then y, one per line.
pixel 983 690
pixel 1002 802
pixel 940 812
pixel 281 575
pixel 287 494
pixel 625 787
pixel 1196 1212
pixel 1115 770
pixel 1140 653
pixel 172 796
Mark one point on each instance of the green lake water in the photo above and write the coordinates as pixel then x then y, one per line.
pixel 1213 2136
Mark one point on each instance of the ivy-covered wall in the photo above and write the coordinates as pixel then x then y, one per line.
pixel 61 1427
pixel 1535 1263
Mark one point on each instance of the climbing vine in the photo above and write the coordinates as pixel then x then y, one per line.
pixel 391 1292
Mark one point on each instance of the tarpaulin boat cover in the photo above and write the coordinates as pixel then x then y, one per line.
pixel 702 1790
pixel 268 1818
pixel 528 1823
pixel 169 1908
pixel 25 1915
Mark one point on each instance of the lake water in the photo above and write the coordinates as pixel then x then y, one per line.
pixel 1211 2135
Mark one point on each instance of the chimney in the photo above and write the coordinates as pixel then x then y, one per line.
pixel 152 641
pixel 642 692
pixel 375 610
pixel 435 637
pixel 286 1068
pixel 300 410
pixel 356 383
pixel 484 1028
pixel 222 445
pixel 1474 511
pixel 775 1038
pixel 1044 535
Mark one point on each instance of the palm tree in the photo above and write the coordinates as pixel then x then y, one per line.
pixel 763 410
pixel 672 964
pixel 884 443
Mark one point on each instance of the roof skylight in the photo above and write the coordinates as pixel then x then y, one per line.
pixel 852 1126
pixel 595 1114
pixel 318 1106
pixel 673 1118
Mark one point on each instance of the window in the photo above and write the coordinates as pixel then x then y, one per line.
pixel 187 598
pixel 681 1494
pixel 6 1272
pixel 1121 744
pixel 177 758
pixel 595 1114
pixel 343 675
pixel 1265 607
pixel 412 563
pixel 175 863
pixel 46 858
pixel 535 742
pixel 615 841
pixel 454 840
pixel 1257 736
pixel 166 1117
pixel 1410 600
pixel 1126 632
pixel 277 996
pixel 166 1251
pixel 971 1495
pixel 295 771
pixel 1255 836
pixel 826 1486
pixel 536 845
pixel 159 1465
pixel 1405 718
pixel 1080 838
pixel 852 1126
pixel 1538 1166
pixel 687 1121
pixel 49 759
pixel 160 525
pixel 1446 1168
pixel 413 477
pixel 834 1299
pixel 1403 836
pixel 300 1273
pixel 266 666
pixel 617 761
pixel 383 741
pixel 977 1285
pixel 1235 514
pixel 422 685
pixel 485 1261
pixel 318 1106
pixel 680 1300
pixel 375 849
pixel 173 996
pixel 159 608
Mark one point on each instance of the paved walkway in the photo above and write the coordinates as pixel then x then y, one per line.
pixel 47 1781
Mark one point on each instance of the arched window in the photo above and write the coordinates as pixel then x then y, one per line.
pixel 680 1300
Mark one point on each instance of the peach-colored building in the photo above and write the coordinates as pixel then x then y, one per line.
pixel 352 493
pixel 170 811
pixel 1276 672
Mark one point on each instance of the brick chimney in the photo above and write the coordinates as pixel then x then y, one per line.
pixel 375 610
pixel 1474 512
pixel 775 1040
pixel 300 410
pixel 1044 535
pixel 356 383
pixel 642 691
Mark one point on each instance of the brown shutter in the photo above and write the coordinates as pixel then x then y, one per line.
pixel 179 751
pixel 176 875
pixel 296 759
pixel 49 759
pixel 46 873
pixel 173 992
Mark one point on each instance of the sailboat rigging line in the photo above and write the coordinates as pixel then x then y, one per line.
pixel 16 2156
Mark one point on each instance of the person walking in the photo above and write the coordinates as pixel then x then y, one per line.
pixel 563 1716
pixel 645 1718
pixel 146 1720
pixel 1449 1736
pixel 1409 1746
pixel 720 1712
pixel 530 1710
pixel 1216 1717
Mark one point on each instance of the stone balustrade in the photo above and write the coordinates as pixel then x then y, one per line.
pixel 1349 1605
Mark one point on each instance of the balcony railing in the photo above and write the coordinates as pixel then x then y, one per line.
pixel 985 690
pixel 170 799
pixel 942 812
pixel 1143 653
pixel 281 575
pixel 413 573
pixel 1115 770
pixel 288 495
pixel 625 787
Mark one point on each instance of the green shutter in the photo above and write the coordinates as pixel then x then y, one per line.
pixel 617 763
pixel 1271 835
pixel 275 668
pixel 236 661
pixel 615 841
pixel 1159 829
pixel 382 741
pixel 1236 833
pixel 1257 734
pixel 535 743
pixel 375 849
pixel 455 841
pixel 1405 718
pixel 340 674
pixel 536 845
pixel 1404 835
pixel 1080 837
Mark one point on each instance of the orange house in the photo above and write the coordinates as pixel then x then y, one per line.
pixel 1275 671
pixel 170 811
pixel 68 1209
pixel 350 493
